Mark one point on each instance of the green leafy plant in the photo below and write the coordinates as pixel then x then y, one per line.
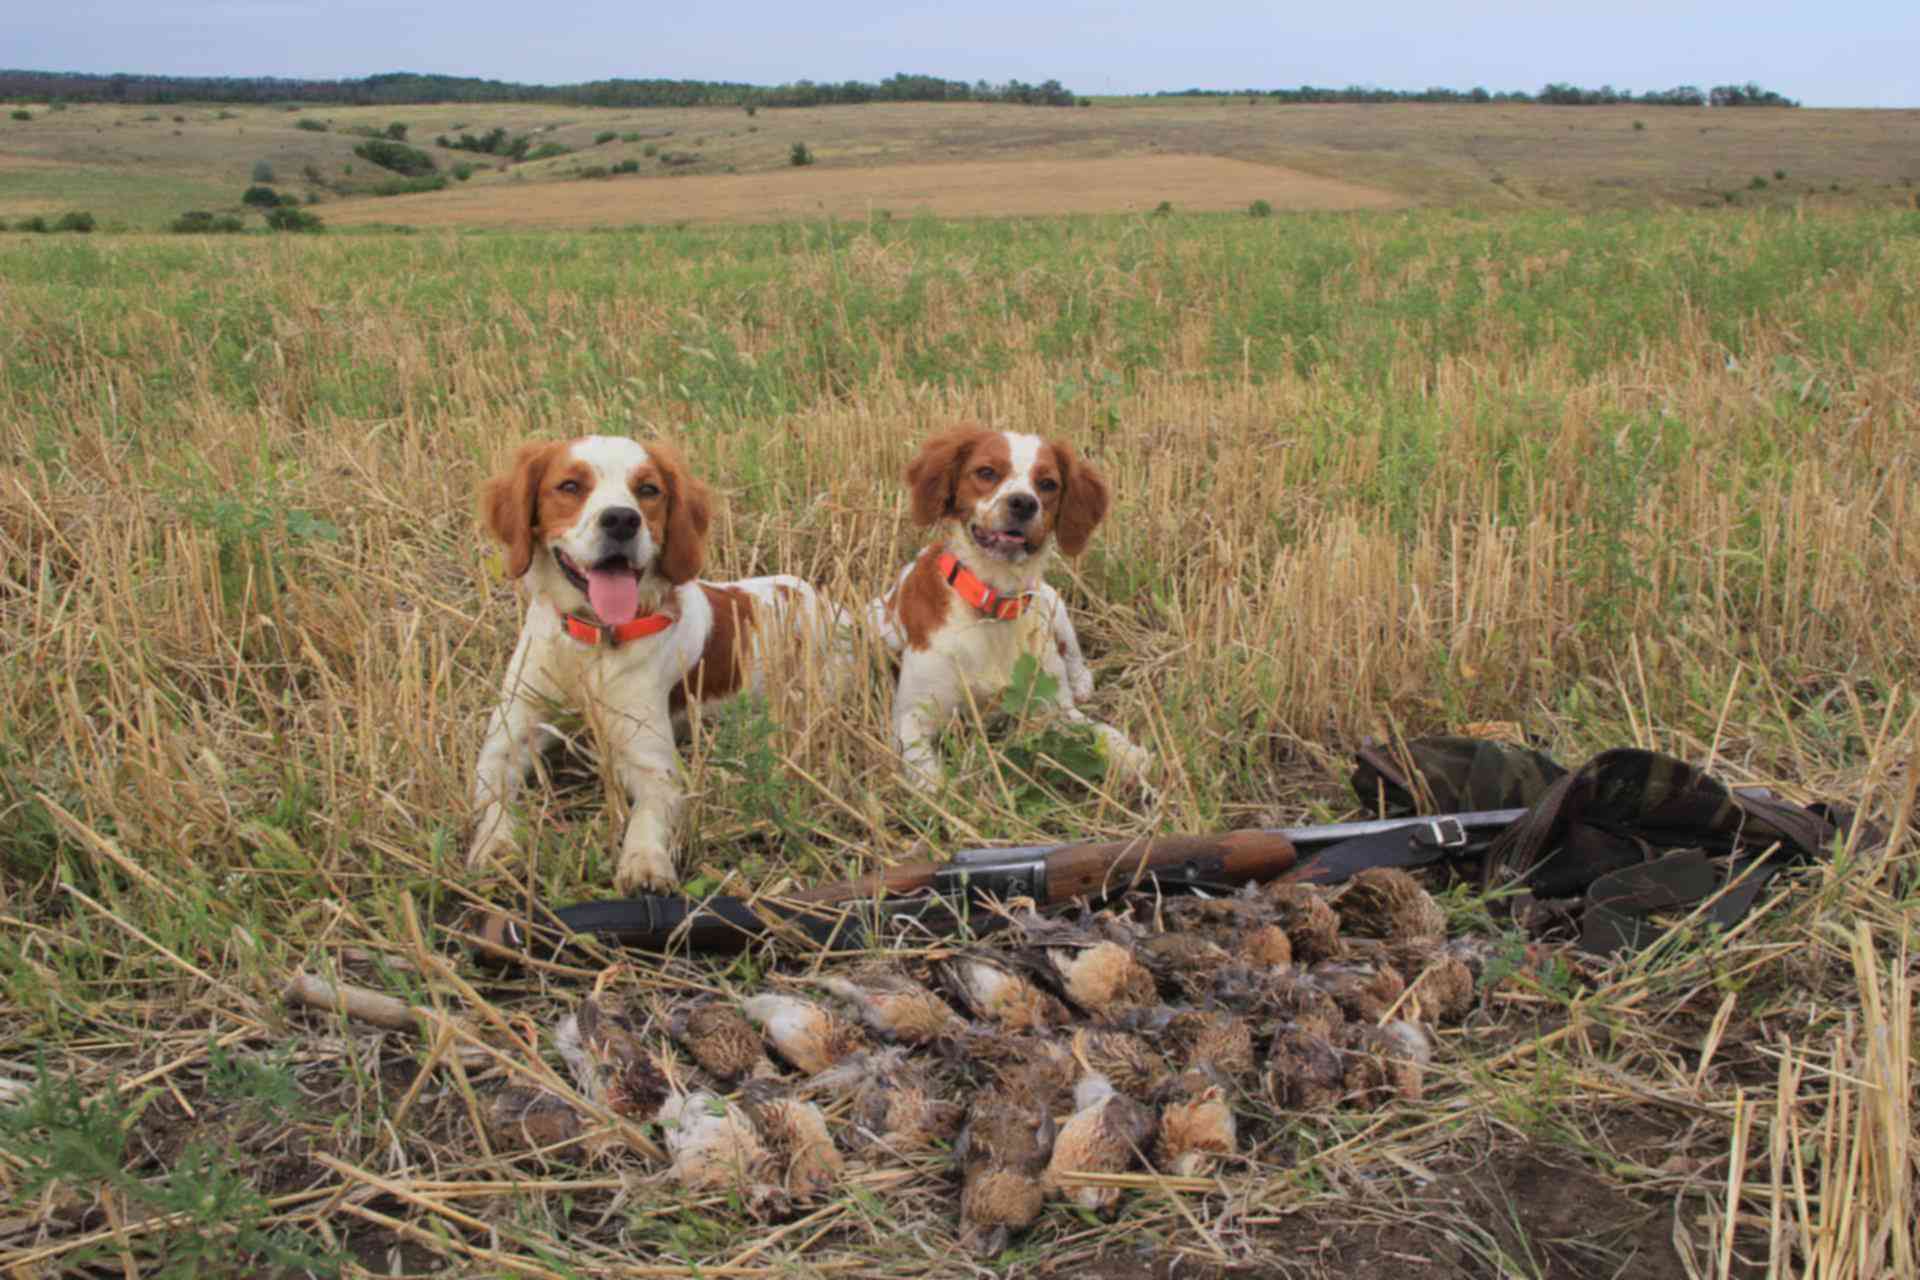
pixel 59 1134
pixel 799 155
pixel 1048 757
pixel 398 156
pixel 201 222
pixel 287 218
pixel 1260 209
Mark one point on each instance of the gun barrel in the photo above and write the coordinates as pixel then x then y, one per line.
pixel 1305 839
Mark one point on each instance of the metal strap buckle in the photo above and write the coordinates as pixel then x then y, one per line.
pixel 1440 833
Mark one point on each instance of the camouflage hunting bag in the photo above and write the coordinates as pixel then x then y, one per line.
pixel 1633 833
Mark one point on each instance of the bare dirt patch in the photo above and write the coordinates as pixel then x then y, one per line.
pixel 967 189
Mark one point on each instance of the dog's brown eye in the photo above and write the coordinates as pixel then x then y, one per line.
pixel 568 486
pixel 647 491
pixel 1047 486
pixel 987 473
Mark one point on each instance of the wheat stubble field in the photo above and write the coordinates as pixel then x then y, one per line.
pixel 1620 478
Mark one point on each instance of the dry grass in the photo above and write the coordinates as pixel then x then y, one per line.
pixel 1623 480
pixel 139 167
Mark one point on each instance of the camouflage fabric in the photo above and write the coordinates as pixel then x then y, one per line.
pixel 1450 775
pixel 1625 807
pixel 1635 832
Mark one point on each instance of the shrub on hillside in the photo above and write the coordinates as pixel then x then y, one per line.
pixel 200 222
pixel 397 132
pixel 286 218
pixel 548 150
pixel 23 114
pixel 411 186
pixel 260 197
pixel 311 125
pixel 593 171
pixel 77 220
pixel 34 223
pixel 262 171
pixel 799 155
pixel 627 166
pixel 602 138
pixel 1260 209
pixel 397 156
pixel 462 171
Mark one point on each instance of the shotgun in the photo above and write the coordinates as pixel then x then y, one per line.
pixel 934 899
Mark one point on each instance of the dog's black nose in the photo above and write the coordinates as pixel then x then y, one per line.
pixel 620 523
pixel 1023 505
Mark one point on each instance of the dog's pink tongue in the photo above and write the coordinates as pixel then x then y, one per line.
pixel 614 596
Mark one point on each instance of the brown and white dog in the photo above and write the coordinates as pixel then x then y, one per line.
pixel 610 535
pixel 975 601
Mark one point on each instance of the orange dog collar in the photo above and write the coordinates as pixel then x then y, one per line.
pixel 647 624
pixel 979 594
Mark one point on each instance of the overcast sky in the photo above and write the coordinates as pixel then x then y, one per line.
pixel 1851 53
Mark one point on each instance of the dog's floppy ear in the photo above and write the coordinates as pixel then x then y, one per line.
pixel 689 512
pixel 509 504
pixel 1083 502
pixel 934 473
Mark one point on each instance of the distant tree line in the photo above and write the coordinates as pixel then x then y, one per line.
pixel 408 88
pixel 1556 95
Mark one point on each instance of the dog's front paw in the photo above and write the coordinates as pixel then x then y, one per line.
pixel 645 869
pixel 492 847
pixel 1127 763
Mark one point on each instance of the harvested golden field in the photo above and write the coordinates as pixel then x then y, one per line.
pixel 1644 478
pixel 963 189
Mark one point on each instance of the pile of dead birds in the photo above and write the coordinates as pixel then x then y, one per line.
pixel 1052 1050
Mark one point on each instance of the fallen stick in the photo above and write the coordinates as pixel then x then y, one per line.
pixel 356 1002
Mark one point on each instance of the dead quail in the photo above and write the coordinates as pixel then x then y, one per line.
pixel 895 1005
pixel 1304 1070
pixel 1170 956
pixel 1133 1066
pixel 1444 988
pixel 1313 927
pixel 1037 1067
pixel 1290 996
pixel 795 1134
pixel 524 1119
pixel 720 1039
pixel 1196 1129
pixel 1214 1040
pixel 1001 996
pixel 1105 1134
pixel 1386 1062
pixel 1103 978
pixel 609 1063
pixel 1265 946
pixel 1002 1153
pixel 1386 902
pixel 714 1147
pixel 896 1102
pixel 812 1038
pixel 1365 992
